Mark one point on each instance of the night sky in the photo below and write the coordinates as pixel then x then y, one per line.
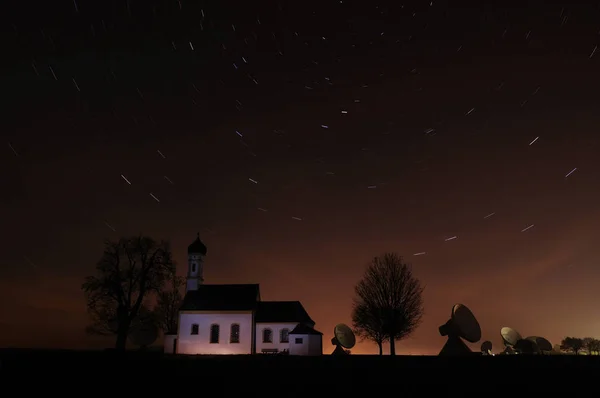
pixel 301 139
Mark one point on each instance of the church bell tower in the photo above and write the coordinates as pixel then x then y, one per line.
pixel 196 253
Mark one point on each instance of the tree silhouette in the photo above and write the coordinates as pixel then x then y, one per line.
pixel 168 303
pixel 368 324
pixel 388 298
pixel 592 345
pixel 128 272
pixel 574 344
pixel 144 328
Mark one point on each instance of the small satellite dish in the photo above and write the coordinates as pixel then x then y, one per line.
pixel 510 336
pixel 343 338
pixel 543 344
pixel 462 325
pixel 486 347
pixel 526 346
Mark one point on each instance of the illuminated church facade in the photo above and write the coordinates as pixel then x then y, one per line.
pixel 232 319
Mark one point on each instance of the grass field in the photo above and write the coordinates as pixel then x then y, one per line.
pixel 284 376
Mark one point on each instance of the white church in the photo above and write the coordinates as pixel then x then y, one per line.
pixel 232 319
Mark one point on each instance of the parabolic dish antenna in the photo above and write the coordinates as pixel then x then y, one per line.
pixel 526 346
pixel 543 344
pixel 343 337
pixel 510 336
pixel 462 325
pixel 486 347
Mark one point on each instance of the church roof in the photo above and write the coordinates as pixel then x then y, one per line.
pixel 197 246
pixel 221 298
pixel 282 311
pixel 305 329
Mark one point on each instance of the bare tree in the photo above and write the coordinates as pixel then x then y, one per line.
pixel 574 344
pixel 592 345
pixel 168 303
pixel 129 272
pixel 588 344
pixel 389 297
pixel 367 325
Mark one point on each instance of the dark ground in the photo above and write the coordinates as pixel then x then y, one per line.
pixel 283 376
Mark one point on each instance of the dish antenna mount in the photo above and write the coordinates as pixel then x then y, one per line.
pixel 462 325
pixel 343 338
pixel 486 348
pixel 510 337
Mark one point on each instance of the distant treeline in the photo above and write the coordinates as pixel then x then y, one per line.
pixel 576 345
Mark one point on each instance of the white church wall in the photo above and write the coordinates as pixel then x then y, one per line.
pixel 315 344
pixel 188 343
pixel 306 344
pixel 299 344
pixel 276 329
pixel 168 343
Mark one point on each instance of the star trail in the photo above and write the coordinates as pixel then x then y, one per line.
pixel 301 139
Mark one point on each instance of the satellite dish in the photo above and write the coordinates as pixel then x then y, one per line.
pixel 543 344
pixel 526 346
pixel 462 325
pixel 486 347
pixel 343 338
pixel 510 336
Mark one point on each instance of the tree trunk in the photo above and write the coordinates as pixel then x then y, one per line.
pixel 121 339
pixel 123 328
pixel 122 334
pixel 380 345
pixel 391 329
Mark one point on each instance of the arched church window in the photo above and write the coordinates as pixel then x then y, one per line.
pixel 214 333
pixel 235 333
pixel 267 335
pixel 284 336
pixel 195 328
pixel 193 267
